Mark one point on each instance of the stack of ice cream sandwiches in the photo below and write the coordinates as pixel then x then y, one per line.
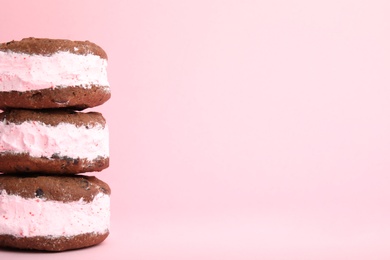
pixel 47 142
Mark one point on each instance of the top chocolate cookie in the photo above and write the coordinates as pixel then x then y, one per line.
pixel 42 46
pixel 52 73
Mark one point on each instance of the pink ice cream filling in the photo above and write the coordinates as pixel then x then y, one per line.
pixel 62 140
pixel 24 72
pixel 26 217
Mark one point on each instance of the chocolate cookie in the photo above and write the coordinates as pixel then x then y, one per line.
pixel 53 141
pixel 53 213
pixel 52 73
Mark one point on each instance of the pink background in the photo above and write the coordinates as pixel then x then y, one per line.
pixel 239 129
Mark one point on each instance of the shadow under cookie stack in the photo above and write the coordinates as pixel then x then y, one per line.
pixel 47 142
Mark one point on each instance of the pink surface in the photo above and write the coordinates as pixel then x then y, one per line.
pixel 239 129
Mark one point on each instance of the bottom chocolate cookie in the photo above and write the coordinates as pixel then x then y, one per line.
pixel 53 213
pixel 24 163
pixel 52 243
